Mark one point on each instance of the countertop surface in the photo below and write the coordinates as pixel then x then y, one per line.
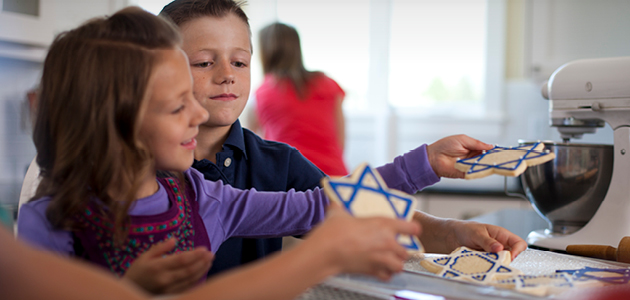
pixel 417 279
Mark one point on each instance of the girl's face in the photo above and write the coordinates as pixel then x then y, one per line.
pixel 172 115
pixel 219 51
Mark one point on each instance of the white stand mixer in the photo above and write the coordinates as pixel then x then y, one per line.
pixel 583 94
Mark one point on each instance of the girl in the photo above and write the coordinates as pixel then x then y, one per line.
pixel 105 128
pixel 297 106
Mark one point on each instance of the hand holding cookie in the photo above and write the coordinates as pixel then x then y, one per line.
pixel 485 237
pixel 445 152
pixel 442 235
pixel 506 161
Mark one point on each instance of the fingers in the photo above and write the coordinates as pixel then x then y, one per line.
pixel 517 245
pixel 160 249
pixel 473 144
pixel 188 276
pixel 183 260
pixel 404 227
pixel 508 240
pixel 490 245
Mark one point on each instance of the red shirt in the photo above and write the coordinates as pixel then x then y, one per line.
pixel 307 124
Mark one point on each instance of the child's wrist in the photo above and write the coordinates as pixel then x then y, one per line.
pixel 323 256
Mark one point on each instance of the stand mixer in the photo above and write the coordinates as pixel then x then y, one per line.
pixel 584 95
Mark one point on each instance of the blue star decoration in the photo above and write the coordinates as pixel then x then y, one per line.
pixel 610 276
pixel 364 193
pixel 538 285
pixel 506 161
pixel 472 266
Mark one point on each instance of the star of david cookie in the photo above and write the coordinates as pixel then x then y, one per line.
pixel 539 285
pixel 506 161
pixel 604 275
pixel 470 265
pixel 365 194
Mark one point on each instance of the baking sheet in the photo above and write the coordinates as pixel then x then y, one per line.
pixel 416 278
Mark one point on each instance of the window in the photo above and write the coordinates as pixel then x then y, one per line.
pixel 335 40
pixel 437 54
pixel 435 51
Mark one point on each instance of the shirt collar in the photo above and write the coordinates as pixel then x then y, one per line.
pixel 236 139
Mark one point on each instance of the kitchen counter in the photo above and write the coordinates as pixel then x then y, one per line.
pixel 416 279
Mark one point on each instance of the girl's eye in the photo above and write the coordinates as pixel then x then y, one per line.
pixel 179 109
pixel 240 64
pixel 204 64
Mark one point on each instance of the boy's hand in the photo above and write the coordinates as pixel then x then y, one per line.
pixel 485 237
pixel 362 245
pixel 445 235
pixel 160 273
pixel 445 152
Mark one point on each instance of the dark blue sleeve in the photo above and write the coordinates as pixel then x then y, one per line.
pixel 303 174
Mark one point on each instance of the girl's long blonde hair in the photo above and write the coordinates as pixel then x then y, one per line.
pixel 93 87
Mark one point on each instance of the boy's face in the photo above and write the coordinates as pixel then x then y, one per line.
pixel 219 52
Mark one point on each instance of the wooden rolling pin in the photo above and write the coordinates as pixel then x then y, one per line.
pixel 620 254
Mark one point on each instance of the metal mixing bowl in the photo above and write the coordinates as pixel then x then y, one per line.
pixel 568 190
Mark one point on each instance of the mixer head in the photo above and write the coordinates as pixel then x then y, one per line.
pixel 586 94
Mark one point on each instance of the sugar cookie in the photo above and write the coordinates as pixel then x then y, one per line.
pixel 539 285
pixel 470 265
pixel 506 161
pixel 607 276
pixel 365 194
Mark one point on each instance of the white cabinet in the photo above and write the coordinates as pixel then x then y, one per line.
pixel 565 30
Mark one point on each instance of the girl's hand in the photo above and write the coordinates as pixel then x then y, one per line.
pixel 160 273
pixel 445 235
pixel 445 152
pixel 361 245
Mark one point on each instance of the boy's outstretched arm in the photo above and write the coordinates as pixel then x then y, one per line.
pixel 441 235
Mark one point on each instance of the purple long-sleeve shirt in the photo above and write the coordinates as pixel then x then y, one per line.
pixel 228 212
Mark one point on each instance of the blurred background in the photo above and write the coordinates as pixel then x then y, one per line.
pixel 413 70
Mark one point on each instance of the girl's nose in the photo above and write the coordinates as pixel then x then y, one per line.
pixel 200 114
pixel 224 74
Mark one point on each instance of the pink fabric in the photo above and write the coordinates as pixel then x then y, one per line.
pixel 308 125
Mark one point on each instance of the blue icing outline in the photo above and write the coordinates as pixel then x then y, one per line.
pixel 492 263
pixel 408 201
pixel 473 161
pixel 412 245
pixel 447 258
pixel 582 274
pixel 503 269
pixel 494 256
pixel 358 186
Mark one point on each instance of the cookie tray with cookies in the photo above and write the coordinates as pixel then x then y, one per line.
pixel 417 279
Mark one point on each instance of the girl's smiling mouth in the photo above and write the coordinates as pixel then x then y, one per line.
pixel 224 97
pixel 190 144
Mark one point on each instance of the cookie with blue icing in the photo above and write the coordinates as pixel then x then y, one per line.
pixel 604 275
pixel 364 193
pixel 539 285
pixel 470 265
pixel 506 161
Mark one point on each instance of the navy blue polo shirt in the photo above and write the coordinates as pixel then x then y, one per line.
pixel 247 161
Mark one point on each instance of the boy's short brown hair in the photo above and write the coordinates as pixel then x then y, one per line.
pixel 182 11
